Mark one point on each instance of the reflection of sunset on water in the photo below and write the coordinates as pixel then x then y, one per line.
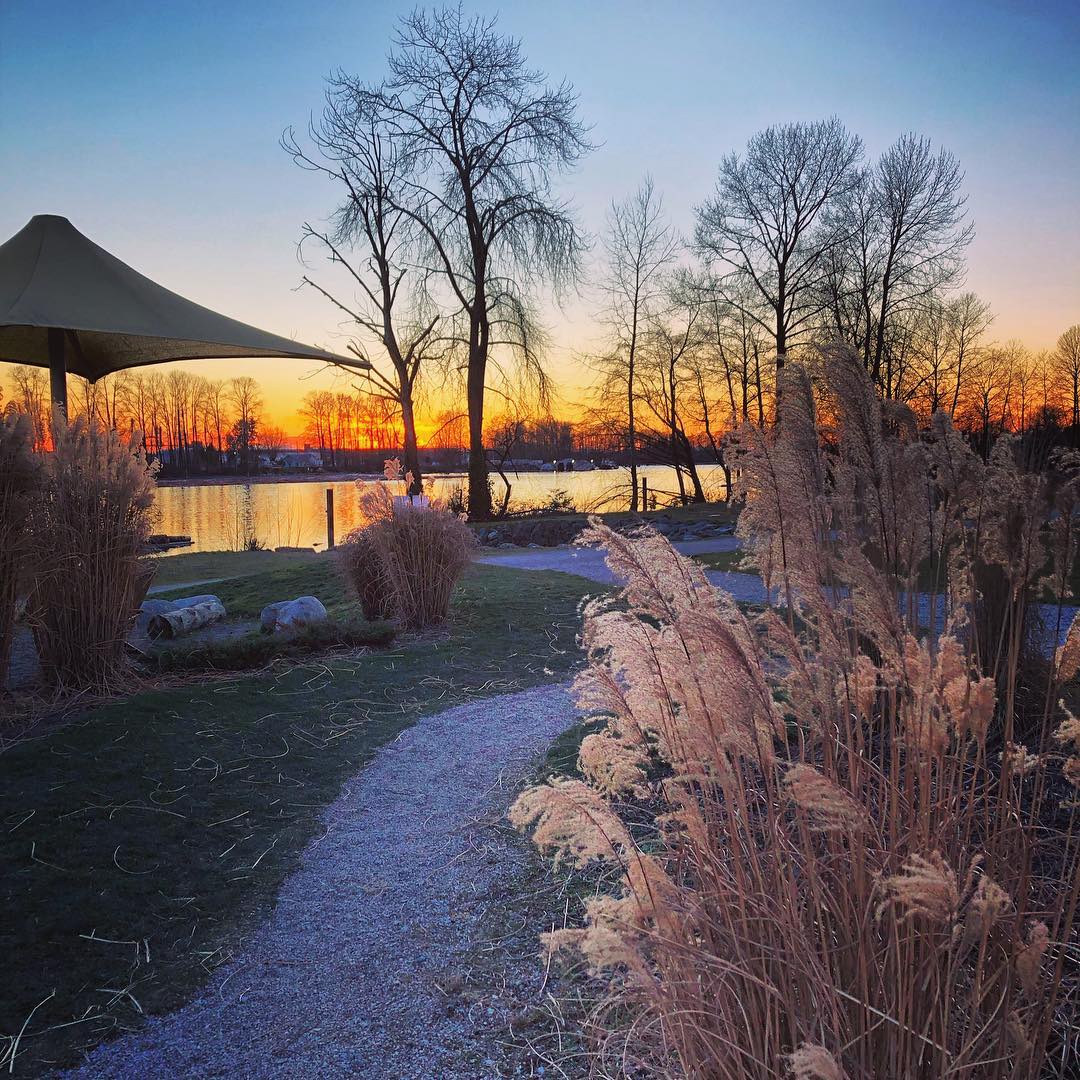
pixel 223 517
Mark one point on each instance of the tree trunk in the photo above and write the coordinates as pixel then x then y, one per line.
pixel 631 434
pixel 781 325
pixel 479 491
pixel 412 451
pixel 691 469
pixel 631 437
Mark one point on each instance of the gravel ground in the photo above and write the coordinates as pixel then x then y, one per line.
pixel 745 588
pixel 172 587
pixel 358 970
pixel 589 563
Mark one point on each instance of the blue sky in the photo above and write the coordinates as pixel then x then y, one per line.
pixel 154 127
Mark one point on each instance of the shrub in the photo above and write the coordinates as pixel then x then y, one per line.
pixel 405 559
pixel 88 525
pixel 845 878
pixel 362 567
pixel 18 474
pixel 424 552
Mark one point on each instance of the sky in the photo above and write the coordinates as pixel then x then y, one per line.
pixel 154 128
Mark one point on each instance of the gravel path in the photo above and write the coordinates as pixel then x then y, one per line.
pixel 745 588
pixel 176 585
pixel 354 973
pixel 589 563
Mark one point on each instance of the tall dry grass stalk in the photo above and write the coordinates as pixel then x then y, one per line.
pixel 856 870
pixel 88 525
pixel 18 475
pixel 404 560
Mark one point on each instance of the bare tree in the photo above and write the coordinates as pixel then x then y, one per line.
pixel 671 346
pixel 482 135
pixel 905 233
pixel 505 433
pixel 922 232
pixel 216 422
pixel 370 238
pixel 989 392
pixel 767 225
pixel 31 397
pixel 246 399
pixel 639 243
pixel 969 318
pixel 1066 365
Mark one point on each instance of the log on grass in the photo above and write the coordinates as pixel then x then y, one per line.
pixel 183 620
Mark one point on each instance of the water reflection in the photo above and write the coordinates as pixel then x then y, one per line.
pixel 225 517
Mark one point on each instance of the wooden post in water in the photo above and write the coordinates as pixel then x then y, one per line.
pixel 329 518
pixel 644 493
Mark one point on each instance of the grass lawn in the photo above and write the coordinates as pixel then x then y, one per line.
pixel 245 596
pixel 140 841
pixel 723 560
pixel 210 565
pixel 716 512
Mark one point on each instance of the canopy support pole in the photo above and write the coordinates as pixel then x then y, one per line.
pixel 57 370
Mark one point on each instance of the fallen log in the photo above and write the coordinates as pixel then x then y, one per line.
pixel 183 620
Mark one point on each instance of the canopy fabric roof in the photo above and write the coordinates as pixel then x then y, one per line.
pixel 53 277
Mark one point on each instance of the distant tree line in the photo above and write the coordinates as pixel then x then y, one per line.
pixel 804 242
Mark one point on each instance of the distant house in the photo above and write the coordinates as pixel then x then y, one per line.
pixel 300 461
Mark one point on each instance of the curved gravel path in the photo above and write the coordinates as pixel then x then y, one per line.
pixel 589 563
pixel 745 588
pixel 350 975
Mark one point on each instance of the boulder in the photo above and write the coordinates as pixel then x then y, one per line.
pixel 288 614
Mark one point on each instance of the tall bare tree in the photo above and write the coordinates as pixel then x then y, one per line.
pixel 482 135
pixel 922 233
pixel 969 319
pixel 639 243
pixel 246 399
pixel 904 233
pixel 1066 363
pixel 768 223
pixel 370 238
pixel 670 349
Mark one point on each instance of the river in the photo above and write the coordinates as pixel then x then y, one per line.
pixel 223 517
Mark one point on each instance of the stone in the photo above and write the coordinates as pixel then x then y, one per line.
pixel 289 614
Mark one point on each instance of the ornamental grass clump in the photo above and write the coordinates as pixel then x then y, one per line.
pixel 406 557
pixel 864 856
pixel 88 525
pixel 18 475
